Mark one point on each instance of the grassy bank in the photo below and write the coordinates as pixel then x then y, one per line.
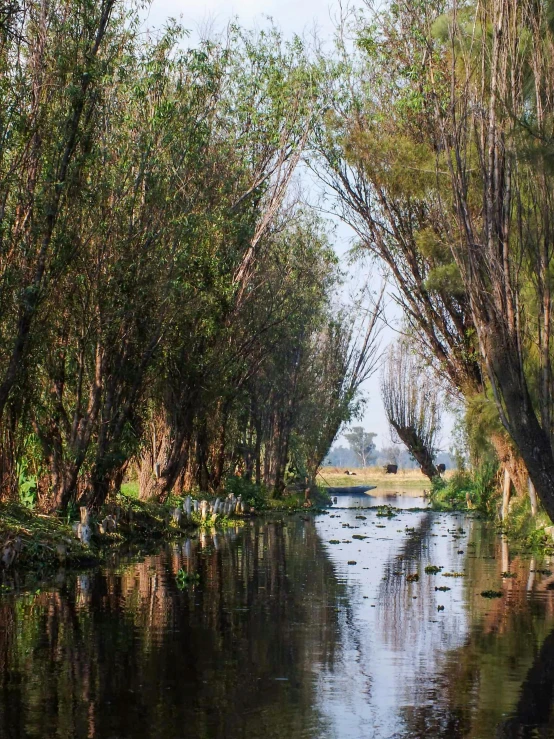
pixel 34 545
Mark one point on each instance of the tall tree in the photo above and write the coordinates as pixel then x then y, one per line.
pixel 362 444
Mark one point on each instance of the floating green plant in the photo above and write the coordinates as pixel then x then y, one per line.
pixel 184 579
pixel 491 594
pixel 432 569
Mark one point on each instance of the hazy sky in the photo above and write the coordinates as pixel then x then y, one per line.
pixel 291 16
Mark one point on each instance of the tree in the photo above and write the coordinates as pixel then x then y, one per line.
pixel 380 148
pixel 362 444
pixel 412 405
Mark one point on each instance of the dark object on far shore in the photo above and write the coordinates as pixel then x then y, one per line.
pixel 347 472
pixel 441 468
pixel 391 469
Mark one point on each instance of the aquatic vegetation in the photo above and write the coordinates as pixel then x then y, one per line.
pixel 454 574
pixel 386 511
pixel 508 574
pixel 359 536
pixel 184 579
pixel 442 588
pixel 491 594
pixel 432 569
pixel 334 541
pixel 413 578
pixel 352 562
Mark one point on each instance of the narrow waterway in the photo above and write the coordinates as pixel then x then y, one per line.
pixel 299 626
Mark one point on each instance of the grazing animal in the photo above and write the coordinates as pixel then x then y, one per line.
pixel 441 468
pixel 391 469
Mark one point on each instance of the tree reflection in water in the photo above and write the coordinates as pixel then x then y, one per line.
pixel 282 639
pixel 125 653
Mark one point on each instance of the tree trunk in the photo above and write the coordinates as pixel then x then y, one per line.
pixel 519 416
pixel 422 455
pixel 506 494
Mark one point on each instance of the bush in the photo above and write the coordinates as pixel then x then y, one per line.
pixel 253 495
pixel 481 487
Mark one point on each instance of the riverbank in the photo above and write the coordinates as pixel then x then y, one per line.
pixel 403 480
pixel 35 545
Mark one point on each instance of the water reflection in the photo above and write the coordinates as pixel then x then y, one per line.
pixel 301 627
pixel 125 653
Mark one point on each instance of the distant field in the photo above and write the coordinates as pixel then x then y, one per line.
pixel 410 479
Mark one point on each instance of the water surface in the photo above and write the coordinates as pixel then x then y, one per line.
pixel 299 626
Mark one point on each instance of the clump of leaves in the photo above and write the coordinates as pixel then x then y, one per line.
pixel 184 579
pixel 359 536
pixel 432 569
pixel 352 562
pixel 491 594
pixel 334 541
pixel 454 574
pixel 442 588
pixel 413 578
pixel 509 574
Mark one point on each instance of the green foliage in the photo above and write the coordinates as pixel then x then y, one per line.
pixel 164 304
pixel 479 488
pixel 186 579
pixel 27 485
pixel 253 495
pixel 524 530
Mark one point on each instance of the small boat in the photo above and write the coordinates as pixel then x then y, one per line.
pixel 357 490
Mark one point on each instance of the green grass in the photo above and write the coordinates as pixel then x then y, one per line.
pixel 45 541
pixel 130 489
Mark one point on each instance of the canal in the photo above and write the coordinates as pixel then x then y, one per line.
pixel 322 627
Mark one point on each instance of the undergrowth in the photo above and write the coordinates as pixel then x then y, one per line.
pixel 477 490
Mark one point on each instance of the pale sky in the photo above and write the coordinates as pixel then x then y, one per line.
pixel 291 17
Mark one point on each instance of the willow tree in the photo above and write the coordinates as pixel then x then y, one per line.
pixel 480 78
pixel 380 148
pixel 52 58
pixel 495 129
pixel 412 404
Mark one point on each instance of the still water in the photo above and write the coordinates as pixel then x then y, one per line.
pixel 299 626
